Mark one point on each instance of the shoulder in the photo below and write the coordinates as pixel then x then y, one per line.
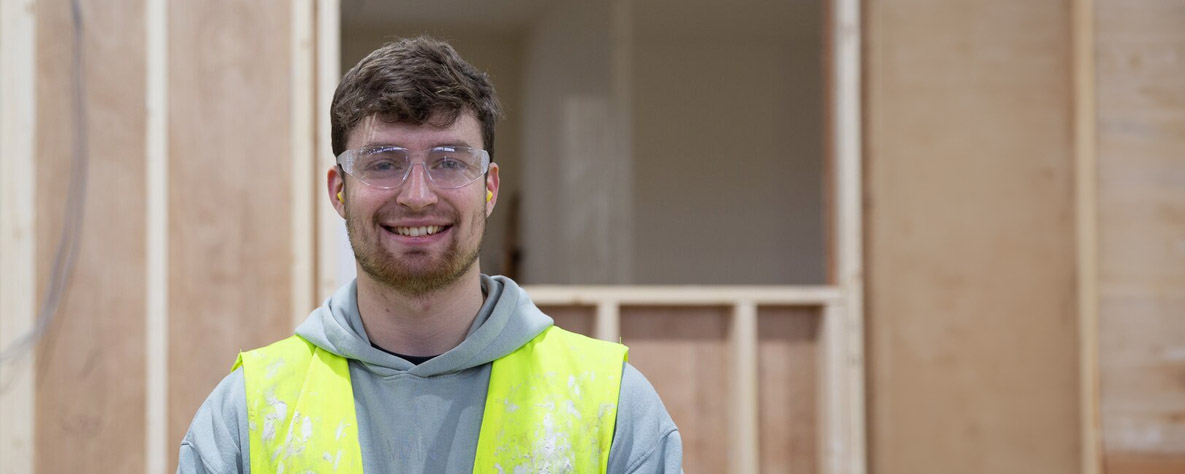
pixel 577 342
pixel 645 438
pixel 287 348
pixel 217 438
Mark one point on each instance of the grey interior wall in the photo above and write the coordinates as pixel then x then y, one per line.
pixel 566 210
pixel 728 145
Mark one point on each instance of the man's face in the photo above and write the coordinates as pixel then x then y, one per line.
pixel 387 226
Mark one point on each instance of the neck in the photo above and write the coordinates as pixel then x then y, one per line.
pixel 419 325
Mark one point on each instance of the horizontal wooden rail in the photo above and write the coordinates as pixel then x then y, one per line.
pixel 684 295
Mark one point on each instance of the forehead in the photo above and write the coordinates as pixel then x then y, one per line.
pixel 465 130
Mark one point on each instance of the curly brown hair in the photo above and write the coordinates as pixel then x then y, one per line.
pixel 413 80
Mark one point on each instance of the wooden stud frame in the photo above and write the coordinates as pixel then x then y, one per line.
pixel 18 71
pixel 840 401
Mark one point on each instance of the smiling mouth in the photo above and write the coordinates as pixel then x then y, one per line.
pixel 417 231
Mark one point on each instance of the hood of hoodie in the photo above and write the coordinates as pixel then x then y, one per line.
pixel 507 320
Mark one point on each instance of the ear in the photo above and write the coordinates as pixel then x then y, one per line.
pixel 336 183
pixel 492 183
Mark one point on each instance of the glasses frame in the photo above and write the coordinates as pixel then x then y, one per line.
pixel 343 159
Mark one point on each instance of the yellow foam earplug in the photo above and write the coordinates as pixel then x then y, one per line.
pixel 339 197
pixel 489 195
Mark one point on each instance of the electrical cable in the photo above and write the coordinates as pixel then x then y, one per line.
pixel 66 254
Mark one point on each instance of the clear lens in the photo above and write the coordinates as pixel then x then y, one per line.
pixel 388 167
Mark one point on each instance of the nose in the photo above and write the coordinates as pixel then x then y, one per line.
pixel 416 193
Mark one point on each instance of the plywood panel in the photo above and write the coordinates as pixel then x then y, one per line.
pixel 788 361
pixel 684 353
pixel 578 319
pixel 90 381
pixel 229 190
pixel 971 271
pixel 1141 145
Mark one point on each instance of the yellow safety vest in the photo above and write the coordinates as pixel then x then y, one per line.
pixel 551 407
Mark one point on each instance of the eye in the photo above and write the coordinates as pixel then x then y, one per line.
pixel 382 161
pixel 450 164
pixel 451 159
pixel 379 164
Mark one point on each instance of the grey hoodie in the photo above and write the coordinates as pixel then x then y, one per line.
pixel 426 418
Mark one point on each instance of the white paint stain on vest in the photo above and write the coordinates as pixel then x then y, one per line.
pixel 273 368
pixel 552 453
pixel 296 440
pixel 279 413
pixel 331 459
pixel 573 386
pixel 551 448
pixel 306 429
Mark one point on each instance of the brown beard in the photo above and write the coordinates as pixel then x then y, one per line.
pixel 395 272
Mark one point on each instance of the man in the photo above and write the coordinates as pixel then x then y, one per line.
pixel 423 364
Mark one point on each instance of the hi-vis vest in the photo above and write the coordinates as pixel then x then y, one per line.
pixel 551 407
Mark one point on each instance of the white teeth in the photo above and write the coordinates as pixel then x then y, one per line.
pixel 417 231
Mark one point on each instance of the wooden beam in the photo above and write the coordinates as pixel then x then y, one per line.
pixel 329 225
pixel 684 295
pixel 743 455
pixel 1087 215
pixel 837 442
pixel 608 321
pixel 157 226
pixel 304 165
pixel 845 353
pixel 17 240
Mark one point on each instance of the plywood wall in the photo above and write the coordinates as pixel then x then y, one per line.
pixel 229 228
pixel 789 377
pixel 90 375
pixel 1140 54
pixel 971 311
pixel 230 152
